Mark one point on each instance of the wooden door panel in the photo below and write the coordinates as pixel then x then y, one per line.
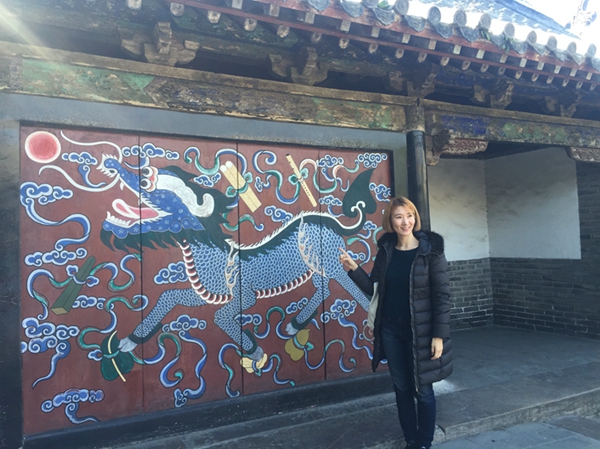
pixel 349 353
pixel 185 273
pixel 279 263
pixel 75 287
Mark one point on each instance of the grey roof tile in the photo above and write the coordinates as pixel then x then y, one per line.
pixel 444 30
pixel 384 15
pixel 353 9
pixel 416 23
pixel 518 46
pixel 319 5
pixel 470 34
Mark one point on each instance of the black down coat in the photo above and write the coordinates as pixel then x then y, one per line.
pixel 429 303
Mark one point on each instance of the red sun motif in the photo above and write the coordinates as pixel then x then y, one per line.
pixel 42 147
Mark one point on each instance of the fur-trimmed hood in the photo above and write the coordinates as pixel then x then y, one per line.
pixel 429 241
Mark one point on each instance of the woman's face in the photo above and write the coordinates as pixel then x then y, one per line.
pixel 403 221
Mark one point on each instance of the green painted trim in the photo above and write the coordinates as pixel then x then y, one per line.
pixel 59 74
pixel 84 83
pixel 377 116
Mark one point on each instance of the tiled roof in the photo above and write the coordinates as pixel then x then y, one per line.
pixel 505 22
pixel 502 34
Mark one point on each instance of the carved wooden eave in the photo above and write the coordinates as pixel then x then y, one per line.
pixel 458 129
pixel 378 28
pixel 301 70
pixel 109 80
pixel 310 41
pixel 161 47
pixel 446 143
pixel 584 154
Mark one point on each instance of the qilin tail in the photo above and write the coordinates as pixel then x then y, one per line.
pixel 358 201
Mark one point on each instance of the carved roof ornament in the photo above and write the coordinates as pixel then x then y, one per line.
pixel 445 143
pixel 161 48
pixel 422 83
pixel 497 98
pixel 584 154
pixel 304 70
pixel 563 105
pixel 501 96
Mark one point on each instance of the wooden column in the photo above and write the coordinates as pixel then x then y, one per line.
pixel 416 161
pixel 417 175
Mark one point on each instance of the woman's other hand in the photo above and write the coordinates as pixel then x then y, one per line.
pixel 437 347
pixel 347 261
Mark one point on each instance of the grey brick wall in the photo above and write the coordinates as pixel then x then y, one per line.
pixel 471 290
pixel 588 180
pixel 556 295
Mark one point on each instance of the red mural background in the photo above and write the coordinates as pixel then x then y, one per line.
pixel 112 323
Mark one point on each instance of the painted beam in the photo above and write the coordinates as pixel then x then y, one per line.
pixel 467 122
pixel 55 73
pixel 61 74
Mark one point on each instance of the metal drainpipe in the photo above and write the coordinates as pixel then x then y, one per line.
pixel 418 191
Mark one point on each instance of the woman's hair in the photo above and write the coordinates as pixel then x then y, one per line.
pixel 392 205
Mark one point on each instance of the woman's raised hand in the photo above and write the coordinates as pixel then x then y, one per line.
pixel 347 261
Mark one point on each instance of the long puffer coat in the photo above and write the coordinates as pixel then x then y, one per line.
pixel 429 303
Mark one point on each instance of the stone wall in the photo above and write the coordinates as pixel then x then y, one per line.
pixel 556 295
pixel 471 288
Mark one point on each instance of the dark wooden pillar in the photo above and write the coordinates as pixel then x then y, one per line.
pixel 418 192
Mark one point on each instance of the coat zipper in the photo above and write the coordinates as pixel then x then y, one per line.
pixel 412 314
pixel 412 323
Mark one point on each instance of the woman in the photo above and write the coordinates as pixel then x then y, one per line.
pixel 412 328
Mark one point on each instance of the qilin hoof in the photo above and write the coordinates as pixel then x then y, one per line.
pixel 253 366
pixel 291 330
pixel 126 345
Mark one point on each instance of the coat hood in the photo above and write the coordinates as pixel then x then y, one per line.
pixel 429 241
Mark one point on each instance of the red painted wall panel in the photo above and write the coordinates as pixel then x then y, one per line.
pixel 164 271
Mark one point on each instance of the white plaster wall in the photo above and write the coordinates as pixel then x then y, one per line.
pixel 533 210
pixel 457 203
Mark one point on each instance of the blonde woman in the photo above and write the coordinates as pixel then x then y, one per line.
pixel 412 328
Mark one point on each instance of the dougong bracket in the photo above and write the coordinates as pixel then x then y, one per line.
pixel 162 47
pixel 304 70
pixel 501 95
pixel 422 81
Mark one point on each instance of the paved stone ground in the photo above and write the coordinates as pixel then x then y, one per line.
pixel 502 378
pixel 567 432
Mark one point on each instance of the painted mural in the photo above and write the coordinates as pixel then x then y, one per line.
pixel 162 272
